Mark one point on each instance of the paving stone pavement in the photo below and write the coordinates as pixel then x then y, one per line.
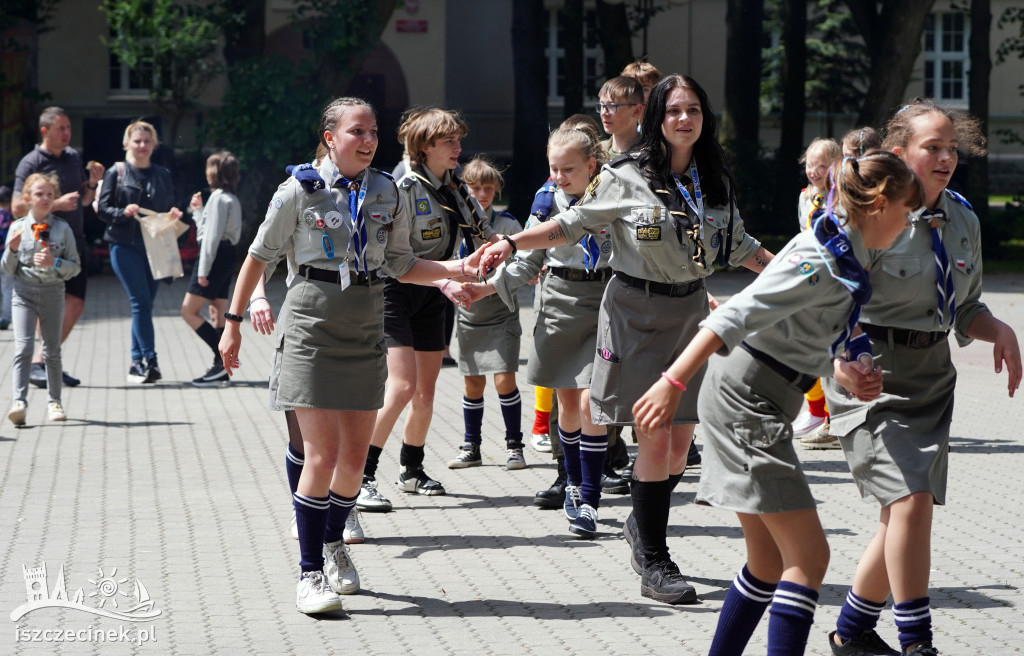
pixel 184 489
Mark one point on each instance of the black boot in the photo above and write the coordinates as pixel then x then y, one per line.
pixel 553 497
pixel 693 455
pixel 612 483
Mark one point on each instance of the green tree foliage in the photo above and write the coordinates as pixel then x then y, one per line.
pixel 1010 48
pixel 172 45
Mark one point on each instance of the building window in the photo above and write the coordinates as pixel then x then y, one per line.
pixel 126 81
pixel 946 61
pixel 555 54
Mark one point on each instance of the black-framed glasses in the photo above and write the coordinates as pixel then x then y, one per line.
pixel 611 108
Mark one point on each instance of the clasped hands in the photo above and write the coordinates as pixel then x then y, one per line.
pixel 472 285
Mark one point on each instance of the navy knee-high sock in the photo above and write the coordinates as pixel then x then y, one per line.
pixel 571 452
pixel 512 413
pixel 593 449
pixel 790 618
pixel 745 603
pixel 473 416
pixel 338 514
pixel 913 620
pixel 311 520
pixel 293 462
pixel 857 616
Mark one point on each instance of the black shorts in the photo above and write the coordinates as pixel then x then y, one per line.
pixel 76 286
pixel 221 270
pixel 414 316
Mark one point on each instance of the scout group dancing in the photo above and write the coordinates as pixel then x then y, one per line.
pixel 887 263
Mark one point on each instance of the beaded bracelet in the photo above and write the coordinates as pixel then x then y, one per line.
pixel 675 383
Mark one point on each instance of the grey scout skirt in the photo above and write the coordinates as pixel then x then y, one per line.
pixel 488 338
pixel 750 465
pixel 639 335
pixel 898 444
pixel 565 337
pixel 330 347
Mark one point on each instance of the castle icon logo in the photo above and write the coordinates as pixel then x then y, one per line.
pixel 110 597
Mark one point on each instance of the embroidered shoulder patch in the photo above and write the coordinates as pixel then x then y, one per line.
pixel 805 268
pixel 422 206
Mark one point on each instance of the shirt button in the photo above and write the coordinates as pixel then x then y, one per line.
pixel 931 312
pixel 903 272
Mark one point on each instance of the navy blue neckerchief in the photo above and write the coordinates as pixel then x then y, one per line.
pixel 851 274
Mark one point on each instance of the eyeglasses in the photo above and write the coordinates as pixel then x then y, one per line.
pixel 611 108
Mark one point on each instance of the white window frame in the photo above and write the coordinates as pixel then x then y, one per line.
pixel 592 57
pixel 937 57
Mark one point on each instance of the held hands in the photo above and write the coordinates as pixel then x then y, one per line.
pixel 655 409
pixel 493 255
pixel 262 316
pixel 477 290
pixel 860 378
pixel 456 294
pixel 174 213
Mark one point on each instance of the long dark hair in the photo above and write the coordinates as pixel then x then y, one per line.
pixel 655 158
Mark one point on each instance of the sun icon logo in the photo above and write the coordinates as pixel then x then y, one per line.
pixel 107 587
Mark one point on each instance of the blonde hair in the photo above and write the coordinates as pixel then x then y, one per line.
pixel 826 147
pixel 480 171
pixel 421 127
pixel 643 72
pixel 583 138
pixel 34 179
pixel 140 125
pixel 860 181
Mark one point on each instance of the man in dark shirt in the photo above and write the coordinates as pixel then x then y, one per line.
pixel 78 187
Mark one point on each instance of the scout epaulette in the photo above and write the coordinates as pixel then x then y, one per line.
pixel 384 173
pixel 960 199
pixel 544 201
pixel 624 157
pixel 307 176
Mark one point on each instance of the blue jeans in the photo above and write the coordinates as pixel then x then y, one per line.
pixel 132 269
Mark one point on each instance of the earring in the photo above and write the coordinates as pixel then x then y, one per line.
pixel 638 128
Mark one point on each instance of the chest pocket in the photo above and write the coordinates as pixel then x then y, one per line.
pixel 833 320
pixel 901 280
pixel 378 225
pixel 715 225
pixel 901 268
pixel 648 225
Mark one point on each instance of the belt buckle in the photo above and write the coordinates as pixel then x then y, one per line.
pixel 919 339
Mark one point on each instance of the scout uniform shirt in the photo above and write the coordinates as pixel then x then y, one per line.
pixel 793 310
pixel 527 264
pixel 433 232
pixel 904 277
pixel 648 242
pixel 810 201
pixel 309 222
pixel 60 241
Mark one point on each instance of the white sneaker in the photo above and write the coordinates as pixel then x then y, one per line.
pixel 369 499
pixel 541 442
pixel 294 526
pixel 55 411
pixel 17 413
pixel 806 423
pixel 353 532
pixel 314 595
pixel 338 568
pixel 821 439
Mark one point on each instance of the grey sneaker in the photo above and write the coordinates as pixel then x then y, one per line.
pixel 314 595
pixel 821 439
pixel 469 456
pixel 515 459
pixel 541 442
pixel 338 568
pixel 353 532
pixel 369 499
pixel 868 644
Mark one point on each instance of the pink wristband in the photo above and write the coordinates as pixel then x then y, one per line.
pixel 675 383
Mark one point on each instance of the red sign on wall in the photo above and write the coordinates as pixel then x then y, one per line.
pixel 411 26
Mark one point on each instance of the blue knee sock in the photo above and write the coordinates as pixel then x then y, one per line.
pixel 311 520
pixel 571 451
pixel 337 516
pixel 745 603
pixel 913 620
pixel 293 462
pixel 593 449
pixel 473 416
pixel 857 616
pixel 512 413
pixel 790 618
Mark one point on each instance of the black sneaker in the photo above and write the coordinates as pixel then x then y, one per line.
pixel 469 456
pixel 632 535
pixel 868 644
pixel 216 376
pixel 923 649
pixel 627 471
pixel 612 483
pixel 662 582
pixel 152 371
pixel 693 458
pixel 137 373
pixel 37 375
pixel 417 482
pixel 69 380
